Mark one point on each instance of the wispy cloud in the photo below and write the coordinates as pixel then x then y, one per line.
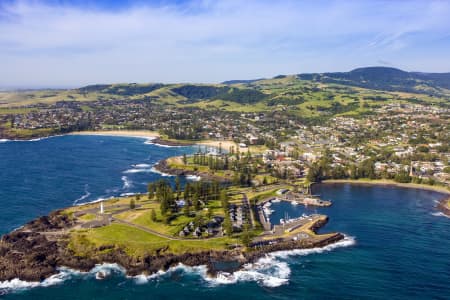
pixel 43 43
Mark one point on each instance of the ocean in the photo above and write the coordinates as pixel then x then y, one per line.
pixel 397 245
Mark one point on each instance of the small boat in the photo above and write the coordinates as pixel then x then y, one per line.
pixel 276 200
pixel 268 211
pixel 294 202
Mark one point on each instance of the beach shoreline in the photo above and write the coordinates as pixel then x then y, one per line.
pixel 382 182
pixel 124 133
pixel 443 205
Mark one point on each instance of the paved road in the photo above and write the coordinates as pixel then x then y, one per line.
pixel 146 229
pixel 250 210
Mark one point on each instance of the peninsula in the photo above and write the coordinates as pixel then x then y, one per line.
pixel 203 224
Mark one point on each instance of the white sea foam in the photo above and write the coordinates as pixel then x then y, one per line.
pixel 141 166
pixel 85 195
pixel 269 271
pixel 132 171
pixel 150 142
pixel 96 200
pixel 17 284
pixel 127 183
pixel 199 270
pixel 4 140
pixel 63 275
pixel 346 242
pixel 439 214
pixel 153 170
pixel 193 178
pixel 128 194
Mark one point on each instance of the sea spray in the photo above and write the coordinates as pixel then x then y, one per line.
pixel 132 171
pixel 154 170
pixel 127 183
pixel 63 275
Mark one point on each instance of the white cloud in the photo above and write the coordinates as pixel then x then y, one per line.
pixel 208 40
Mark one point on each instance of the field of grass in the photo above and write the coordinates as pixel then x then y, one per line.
pixel 138 243
pixel 308 99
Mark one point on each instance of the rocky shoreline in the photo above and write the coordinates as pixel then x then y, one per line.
pixel 35 252
pixel 444 206
pixel 171 143
pixel 163 167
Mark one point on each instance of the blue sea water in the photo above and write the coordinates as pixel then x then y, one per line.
pixel 398 247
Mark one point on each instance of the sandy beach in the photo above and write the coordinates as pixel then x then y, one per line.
pixel 129 133
pixel 154 135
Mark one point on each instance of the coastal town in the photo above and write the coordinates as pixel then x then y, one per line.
pixel 395 142
pixel 247 158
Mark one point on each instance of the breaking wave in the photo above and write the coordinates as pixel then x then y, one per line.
pixel 269 271
pixel 439 214
pixel 150 142
pixel 153 170
pixel 140 166
pixel 85 195
pixel 63 275
pixel 127 183
pixel 131 171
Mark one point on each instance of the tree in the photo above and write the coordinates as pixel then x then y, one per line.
pixel 314 173
pixel 178 186
pixel 209 214
pixel 196 201
pixel 224 200
pixel 184 158
pixel 246 238
pixel 264 182
pixel 132 204
pixel 153 215
pixel 151 191
pixel 187 210
pixel 228 226
pixel 402 177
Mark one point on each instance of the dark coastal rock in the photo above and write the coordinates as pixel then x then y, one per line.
pixel 54 221
pixel 29 256
pixel 162 167
pixel 35 251
pixel 444 208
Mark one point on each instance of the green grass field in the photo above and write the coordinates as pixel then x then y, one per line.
pixel 138 243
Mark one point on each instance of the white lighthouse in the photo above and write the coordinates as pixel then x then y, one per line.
pixel 102 210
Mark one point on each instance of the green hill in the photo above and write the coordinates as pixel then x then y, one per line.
pixel 386 79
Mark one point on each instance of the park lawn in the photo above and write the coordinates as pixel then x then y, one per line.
pixel 138 243
pixel 142 217
pixel 88 217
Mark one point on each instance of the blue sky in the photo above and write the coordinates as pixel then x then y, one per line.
pixel 58 43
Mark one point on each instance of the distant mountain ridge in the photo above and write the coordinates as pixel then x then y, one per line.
pixel 385 78
pixel 249 91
